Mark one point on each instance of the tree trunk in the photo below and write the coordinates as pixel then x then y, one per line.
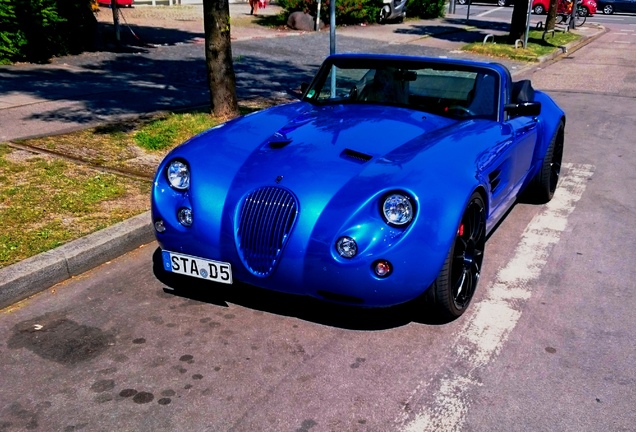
pixel 218 58
pixel 519 19
pixel 550 20
pixel 115 8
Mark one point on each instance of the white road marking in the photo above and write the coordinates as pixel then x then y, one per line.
pixel 491 321
pixel 489 11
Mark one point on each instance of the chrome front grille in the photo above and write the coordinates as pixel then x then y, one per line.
pixel 266 218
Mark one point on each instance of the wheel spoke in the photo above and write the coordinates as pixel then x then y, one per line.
pixel 460 285
pixel 476 266
pixel 463 243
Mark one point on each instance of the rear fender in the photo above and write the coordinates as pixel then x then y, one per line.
pixel 549 121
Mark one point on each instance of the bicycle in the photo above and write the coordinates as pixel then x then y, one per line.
pixel 564 13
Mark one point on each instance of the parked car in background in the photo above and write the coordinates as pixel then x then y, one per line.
pixel 500 3
pixel 611 6
pixel 540 7
pixel 120 3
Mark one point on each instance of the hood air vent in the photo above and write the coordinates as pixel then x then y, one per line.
pixel 355 156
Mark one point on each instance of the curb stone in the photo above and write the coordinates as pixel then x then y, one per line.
pixel 573 46
pixel 35 274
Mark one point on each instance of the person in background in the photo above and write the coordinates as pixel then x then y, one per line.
pixel 255 5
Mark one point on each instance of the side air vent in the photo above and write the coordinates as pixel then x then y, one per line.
pixel 494 178
pixel 355 156
pixel 266 219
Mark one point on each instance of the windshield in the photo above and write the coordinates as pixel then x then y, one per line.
pixel 426 87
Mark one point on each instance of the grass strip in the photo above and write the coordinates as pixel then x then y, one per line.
pixel 537 46
pixel 47 201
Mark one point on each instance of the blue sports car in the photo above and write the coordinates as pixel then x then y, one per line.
pixel 378 187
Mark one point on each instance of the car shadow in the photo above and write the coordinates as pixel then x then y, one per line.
pixel 301 307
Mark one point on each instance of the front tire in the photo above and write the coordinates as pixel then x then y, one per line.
pixel 608 9
pixel 456 283
pixel 538 9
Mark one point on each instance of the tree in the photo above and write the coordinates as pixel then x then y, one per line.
pixel 115 8
pixel 218 58
pixel 550 20
pixel 519 21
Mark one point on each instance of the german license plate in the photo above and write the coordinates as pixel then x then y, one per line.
pixel 216 271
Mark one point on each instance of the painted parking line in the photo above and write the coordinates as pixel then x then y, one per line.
pixel 489 11
pixel 491 321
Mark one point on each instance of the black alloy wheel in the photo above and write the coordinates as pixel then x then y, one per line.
pixel 468 254
pixel 457 281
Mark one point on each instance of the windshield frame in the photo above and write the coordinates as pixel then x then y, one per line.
pixel 311 95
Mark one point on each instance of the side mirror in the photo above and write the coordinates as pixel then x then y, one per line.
pixel 530 109
pixel 303 87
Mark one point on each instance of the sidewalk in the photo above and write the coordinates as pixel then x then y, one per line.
pixel 164 71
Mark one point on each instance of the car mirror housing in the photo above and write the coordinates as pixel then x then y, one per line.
pixel 531 109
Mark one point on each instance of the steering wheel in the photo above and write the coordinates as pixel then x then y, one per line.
pixel 461 110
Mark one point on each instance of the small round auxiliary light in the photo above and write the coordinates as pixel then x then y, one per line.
pixel 185 216
pixel 346 247
pixel 382 268
pixel 160 226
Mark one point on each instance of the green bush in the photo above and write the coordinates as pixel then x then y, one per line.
pixel 36 30
pixel 425 8
pixel 362 11
pixel 347 11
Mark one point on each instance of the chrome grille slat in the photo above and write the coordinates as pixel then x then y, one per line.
pixel 266 219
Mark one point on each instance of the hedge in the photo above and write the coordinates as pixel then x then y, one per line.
pixel 36 30
pixel 362 11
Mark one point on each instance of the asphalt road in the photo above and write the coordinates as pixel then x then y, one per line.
pixel 546 346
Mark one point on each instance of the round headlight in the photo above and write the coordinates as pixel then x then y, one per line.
pixel 397 209
pixel 346 247
pixel 178 175
pixel 184 216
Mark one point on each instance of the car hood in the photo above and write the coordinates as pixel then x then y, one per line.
pixel 303 147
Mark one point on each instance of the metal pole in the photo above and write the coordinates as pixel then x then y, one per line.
pixel 318 17
pixel 332 43
pixel 468 10
pixel 525 36
pixel 332 26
